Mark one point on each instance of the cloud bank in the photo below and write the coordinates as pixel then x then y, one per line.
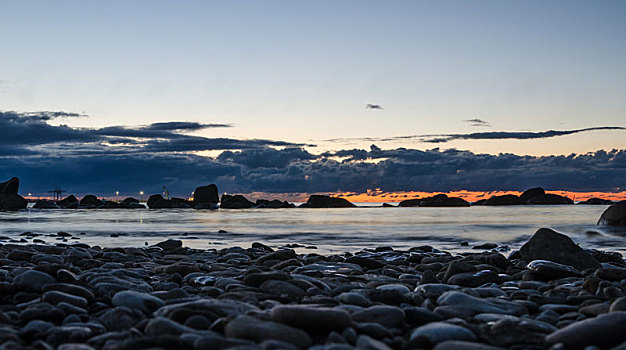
pixel 145 158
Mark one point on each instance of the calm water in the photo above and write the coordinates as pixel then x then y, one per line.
pixel 330 230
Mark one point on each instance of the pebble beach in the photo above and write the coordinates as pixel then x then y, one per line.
pixel 550 294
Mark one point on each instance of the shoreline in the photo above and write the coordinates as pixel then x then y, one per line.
pixel 173 297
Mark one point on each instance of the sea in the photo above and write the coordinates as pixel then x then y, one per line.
pixel 317 230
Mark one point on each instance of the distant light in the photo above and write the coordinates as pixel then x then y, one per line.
pixel 141 193
pixel 117 193
pixel 30 194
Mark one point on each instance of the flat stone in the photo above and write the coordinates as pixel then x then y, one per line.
pixel 603 331
pixel 354 298
pixel 54 297
pixel 310 318
pixel 32 280
pixel 246 327
pixel 496 306
pixel 464 345
pixel 437 332
pixel 366 343
pixel 388 316
pixel 137 300
pixel 618 305
pixel 473 279
pixel 551 270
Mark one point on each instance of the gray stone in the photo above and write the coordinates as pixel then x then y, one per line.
pixel 464 345
pixel 310 318
pixel 496 306
pixel 354 298
pixel 246 327
pixel 618 305
pixel 120 318
pixel 366 343
pixel 137 300
pixel 615 215
pixel 551 270
pixel 32 280
pixel 603 331
pixel 388 316
pixel 35 329
pixel 437 332
pixel 55 297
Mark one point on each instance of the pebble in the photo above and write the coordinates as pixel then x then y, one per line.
pixel 246 327
pixel 32 280
pixel 310 318
pixel 137 300
pixel 437 332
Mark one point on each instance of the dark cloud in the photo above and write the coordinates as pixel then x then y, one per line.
pixel 478 122
pixel 184 126
pixel 491 135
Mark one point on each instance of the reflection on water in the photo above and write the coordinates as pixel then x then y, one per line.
pixel 328 229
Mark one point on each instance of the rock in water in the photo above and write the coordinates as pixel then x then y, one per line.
pixel 68 202
pixel 9 199
pixel 319 201
pixel 547 244
pixel 91 201
pixel 603 331
pixel 442 200
pixel 550 198
pixel 596 201
pixel 507 199
pixel 531 193
pixel 410 203
pixel 615 215
pixel 235 202
pixel 206 194
pixel 45 204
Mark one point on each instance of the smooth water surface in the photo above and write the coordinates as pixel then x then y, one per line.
pixel 330 230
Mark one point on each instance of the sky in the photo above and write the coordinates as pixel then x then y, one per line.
pixel 284 85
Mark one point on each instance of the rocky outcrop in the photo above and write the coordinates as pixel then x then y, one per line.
pixel 235 202
pixel 46 204
pixel 442 200
pixel 615 215
pixel 320 201
pixel 507 199
pixel 131 203
pixel 596 201
pixel 549 199
pixel 273 204
pixel 156 201
pixel 9 199
pixel 206 194
pixel 90 201
pixel 69 202
pixel 410 202
pixel 547 244
pixel 532 193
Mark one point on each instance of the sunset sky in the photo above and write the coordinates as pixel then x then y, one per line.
pixel 274 92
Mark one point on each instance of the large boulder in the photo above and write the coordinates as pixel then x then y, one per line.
pixel 273 204
pixel 206 194
pixel 9 199
pixel 507 199
pixel 11 186
pixel 596 201
pixel 235 202
pixel 550 198
pixel 320 201
pixel 90 201
pixel 531 193
pixel 410 202
pixel 45 204
pixel 69 202
pixel 131 203
pixel 615 215
pixel 442 200
pixel 547 244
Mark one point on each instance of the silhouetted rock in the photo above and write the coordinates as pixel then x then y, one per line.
pixel 596 201
pixel 90 201
pixel 206 205
pixel 410 202
pixel 387 205
pixel 11 186
pixel 550 198
pixel 69 202
pixel 45 204
pixel 531 193
pixel 206 194
pixel 131 203
pixel 9 199
pixel 110 205
pixel 442 200
pixel 547 244
pixel 507 199
pixel 273 204
pixel 479 202
pixel 235 202
pixel 615 215
pixel 319 201
pixel 181 203
pixel 156 201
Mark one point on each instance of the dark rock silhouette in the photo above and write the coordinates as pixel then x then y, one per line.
pixel 532 193
pixel 206 194
pixel 90 201
pixel 615 215
pixel 550 198
pixel 110 205
pixel 131 203
pixel 320 201
pixel 596 201
pixel 273 204
pixel 206 205
pixel 235 202
pixel 69 202
pixel 507 199
pixel 410 203
pixel 46 204
pixel 547 244
pixel 442 200
pixel 387 205
pixel 9 199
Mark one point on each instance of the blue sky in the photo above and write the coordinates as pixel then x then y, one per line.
pixel 301 72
